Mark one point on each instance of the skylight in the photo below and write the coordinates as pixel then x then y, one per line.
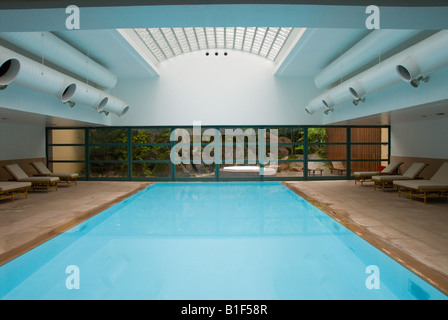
pixel 165 43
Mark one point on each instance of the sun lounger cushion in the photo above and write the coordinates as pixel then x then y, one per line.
pixel 438 181
pixel 391 168
pixel 441 174
pixel 6 186
pixel 422 184
pixel 42 169
pixel 391 178
pixel 411 173
pixel 20 175
pixel 365 174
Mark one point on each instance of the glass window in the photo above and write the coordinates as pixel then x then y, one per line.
pixel 105 152
pixel 107 135
pixel 357 166
pixel 367 151
pixel 333 135
pixel 329 152
pixel 151 170
pixel 151 153
pixel 151 136
pixel 70 167
pixel 367 135
pixel 108 170
pixel 191 170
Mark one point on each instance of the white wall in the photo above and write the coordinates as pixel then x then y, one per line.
pixel 238 89
pixel 421 139
pixel 20 141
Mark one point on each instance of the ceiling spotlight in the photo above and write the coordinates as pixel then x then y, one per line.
pixel 356 102
pixel 328 110
pixel 216 53
pixel 206 53
pixel 416 82
pixel 71 103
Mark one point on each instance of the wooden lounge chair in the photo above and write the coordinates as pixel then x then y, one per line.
pixel 11 189
pixel 436 187
pixel 36 182
pixel 65 177
pixel 312 167
pixel 386 181
pixel 364 176
pixel 337 166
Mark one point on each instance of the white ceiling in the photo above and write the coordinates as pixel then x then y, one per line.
pixel 315 50
pixel 331 36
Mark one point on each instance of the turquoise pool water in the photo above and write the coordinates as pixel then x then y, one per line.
pixel 227 241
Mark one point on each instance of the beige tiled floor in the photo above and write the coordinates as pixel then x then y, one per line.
pixel 409 230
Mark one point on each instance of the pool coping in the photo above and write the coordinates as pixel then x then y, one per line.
pixel 434 277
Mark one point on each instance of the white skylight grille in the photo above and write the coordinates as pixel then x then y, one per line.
pixel 165 43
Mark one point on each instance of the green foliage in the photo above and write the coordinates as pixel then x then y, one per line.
pixel 315 135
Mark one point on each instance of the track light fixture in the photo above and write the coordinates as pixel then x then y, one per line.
pixel 355 102
pixel 416 82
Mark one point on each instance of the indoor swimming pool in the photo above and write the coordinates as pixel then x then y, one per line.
pixel 211 240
